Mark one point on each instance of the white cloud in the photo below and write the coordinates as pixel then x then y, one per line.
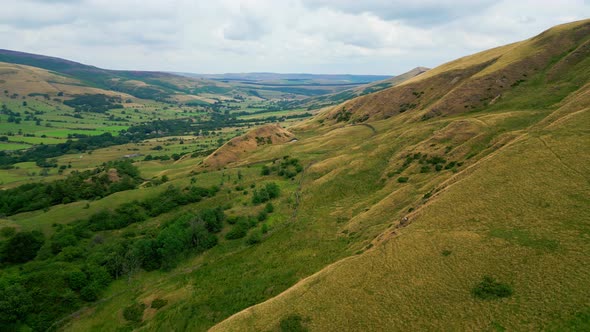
pixel 327 36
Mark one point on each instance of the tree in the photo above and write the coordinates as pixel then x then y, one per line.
pixel 22 247
pixel 15 303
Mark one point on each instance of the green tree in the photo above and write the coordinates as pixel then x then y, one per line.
pixel 15 303
pixel 22 247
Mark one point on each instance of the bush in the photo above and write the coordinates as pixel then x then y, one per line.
pixel 262 215
pixel 238 231
pixel 265 170
pixel 89 293
pixel 292 323
pixel 22 247
pixel 134 312
pixel 254 238
pixel 76 280
pixel 7 231
pixel 489 289
pixel 269 191
pixel 402 179
pixel 158 303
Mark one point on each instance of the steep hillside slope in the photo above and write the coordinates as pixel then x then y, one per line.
pixel 521 216
pixel 552 64
pixel 515 207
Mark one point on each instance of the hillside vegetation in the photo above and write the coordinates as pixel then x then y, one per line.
pixel 456 200
pixel 515 212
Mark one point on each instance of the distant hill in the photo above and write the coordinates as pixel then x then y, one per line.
pixel 141 84
pixel 339 97
pixel 184 87
pixel 262 78
pixel 291 86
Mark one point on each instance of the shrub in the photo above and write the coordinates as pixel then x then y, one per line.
pixel 292 323
pixel 158 303
pixel 262 215
pixel 265 170
pixel 446 252
pixel 489 289
pixel 89 293
pixel 269 208
pixel 269 191
pixel 8 231
pixel 238 231
pixel 402 179
pixel 134 312
pixel 451 165
pixel 76 280
pixel 254 238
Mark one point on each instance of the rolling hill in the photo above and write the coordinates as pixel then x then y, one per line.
pixel 141 84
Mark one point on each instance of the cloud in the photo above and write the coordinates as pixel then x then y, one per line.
pixel 323 36
pixel 417 12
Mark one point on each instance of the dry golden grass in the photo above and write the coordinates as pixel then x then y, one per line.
pixel 237 147
pixel 24 80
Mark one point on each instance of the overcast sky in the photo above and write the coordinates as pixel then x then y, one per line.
pixel 312 36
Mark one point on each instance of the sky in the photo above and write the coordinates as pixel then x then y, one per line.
pixel 386 37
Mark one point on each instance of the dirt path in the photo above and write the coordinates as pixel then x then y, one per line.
pixel 298 191
pixel 366 125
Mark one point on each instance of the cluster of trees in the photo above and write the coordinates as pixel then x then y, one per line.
pixel 45 279
pixel 137 211
pixel 39 153
pixel 91 184
pixel 98 103
pixel 84 143
pixel 287 167
pixel 242 224
pixel 270 191
pixel 159 128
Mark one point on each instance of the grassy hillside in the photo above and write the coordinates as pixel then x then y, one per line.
pixel 516 211
pixel 436 217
